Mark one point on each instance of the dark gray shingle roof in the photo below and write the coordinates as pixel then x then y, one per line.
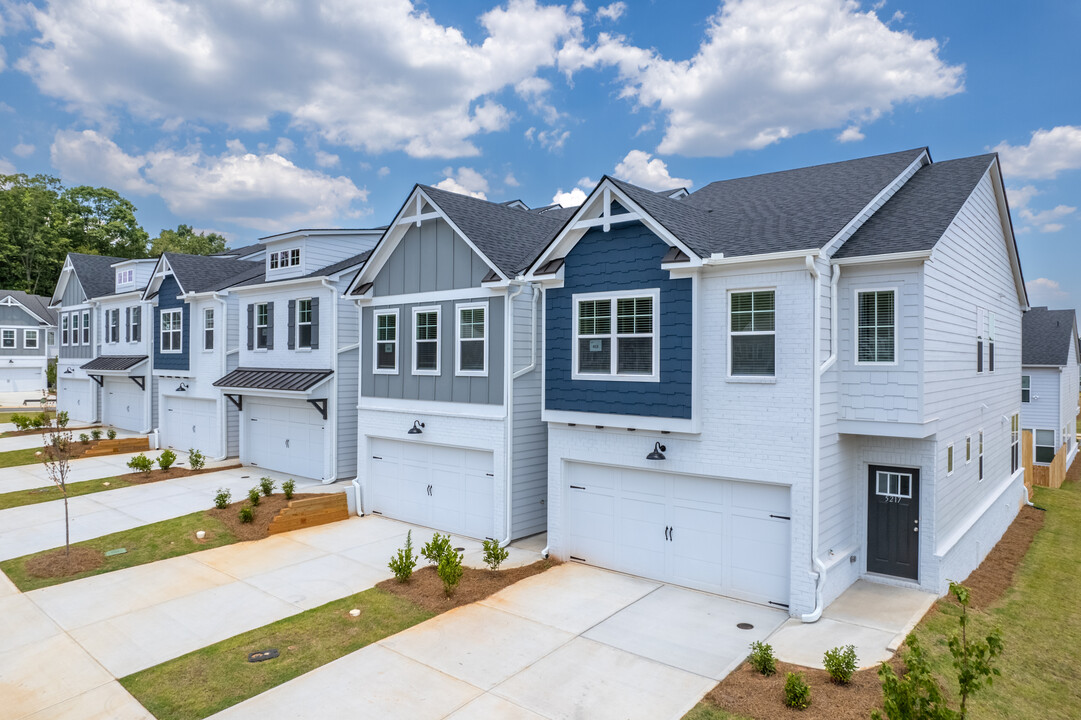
pixel 95 273
pixel 203 273
pixel 36 304
pixel 260 277
pixel 1046 336
pixel 919 213
pixel 242 250
pixel 272 379
pixel 511 239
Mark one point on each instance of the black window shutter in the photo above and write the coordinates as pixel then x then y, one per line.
pixel 315 323
pixel 292 324
pixel 270 326
pixel 127 324
pixel 251 327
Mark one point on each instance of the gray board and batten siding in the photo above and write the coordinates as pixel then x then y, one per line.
pixel 74 295
pixel 430 258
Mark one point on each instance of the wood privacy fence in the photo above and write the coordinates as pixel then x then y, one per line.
pixel 1051 475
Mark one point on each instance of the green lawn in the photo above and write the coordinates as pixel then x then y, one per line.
pixel 209 680
pixel 12 458
pixel 708 711
pixel 45 494
pixel 145 544
pixel 30 410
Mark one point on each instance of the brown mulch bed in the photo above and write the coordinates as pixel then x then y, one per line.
pixel 745 692
pixel 426 589
pixel 141 478
pixel 36 431
pixel 267 509
pixel 60 564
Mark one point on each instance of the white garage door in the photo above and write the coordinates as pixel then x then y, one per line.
pixel 21 379
pixel 726 537
pixel 76 398
pixel 450 489
pixel 287 436
pixel 123 405
pixel 188 423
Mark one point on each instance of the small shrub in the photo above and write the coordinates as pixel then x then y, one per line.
pixel 96 434
pixel 221 500
pixel 37 421
pixel 141 463
pixel 840 663
pixel 84 438
pixel 450 571
pixel 20 421
pixel 916 695
pixel 166 459
pixel 436 548
pixel 762 659
pixel 493 554
pixel 246 514
pixel 196 459
pixel 253 495
pixel 61 419
pixel 403 563
pixel 289 486
pixel 267 486
pixel 797 693
pixel 111 434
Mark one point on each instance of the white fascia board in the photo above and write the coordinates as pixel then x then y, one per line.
pixel 917 255
pixel 433 296
pixel 1007 231
pixel 914 431
pixel 720 260
pixel 161 269
pixel 275 284
pixel 438 409
pixel 636 422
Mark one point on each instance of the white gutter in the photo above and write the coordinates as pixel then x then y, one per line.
pixel 334 367
pixel 718 259
pixel 223 402
pixel 508 425
pixel 532 338
pixel 884 257
pixel 816 430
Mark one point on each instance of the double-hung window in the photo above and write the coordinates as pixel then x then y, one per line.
pixel 304 323
pixel 876 313
pixel 30 339
pixel 979 448
pixel 285 258
pixel 981 329
pixel 968 449
pixel 949 459
pixel 112 328
pixel 170 331
pixel 1044 442
pixel 262 326
pixel 64 321
pixel 1026 388
pixel 990 342
pixel 426 341
pixel 7 339
pixel 386 342
pixel 135 324
pixel 617 336
pixel 86 327
pixel 1015 442
pixel 472 348
pixel 208 328
pixel 752 334
pixel 76 333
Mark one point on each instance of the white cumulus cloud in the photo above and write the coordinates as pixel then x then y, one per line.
pixel 851 133
pixel 574 198
pixel 1047 153
pixel 638 168
pixel 1047 221
pixel 1041 290
pixel 465 181
pixel 326 160
pixel 23 150
pixel 772 69
pixel 611 12
pixel 6 168
pixel 1022 196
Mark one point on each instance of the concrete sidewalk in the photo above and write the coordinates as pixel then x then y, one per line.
pixel 32 528
pixel 33 475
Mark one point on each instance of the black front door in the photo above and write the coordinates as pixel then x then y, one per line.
pixel 893 521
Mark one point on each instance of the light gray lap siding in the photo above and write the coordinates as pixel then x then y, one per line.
pixel 530 449
pixel 348 374
pixel 447 386
pixel 17 319
pixel 429 258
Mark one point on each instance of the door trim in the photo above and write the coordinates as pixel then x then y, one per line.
pixel 916 492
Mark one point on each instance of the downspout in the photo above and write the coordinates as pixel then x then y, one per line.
pixel 508 426
pixel 816 424
pixel 334 367
pixel 223 404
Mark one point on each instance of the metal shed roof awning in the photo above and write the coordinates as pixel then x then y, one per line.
pixel 271 379
pixel 113 364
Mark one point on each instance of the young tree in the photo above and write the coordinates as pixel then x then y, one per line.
pixel 56 455
pixel 185 240
pixel 972 659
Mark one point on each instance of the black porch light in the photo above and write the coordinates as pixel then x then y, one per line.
pixel 182 387
pixel 416 429
pixel 657 453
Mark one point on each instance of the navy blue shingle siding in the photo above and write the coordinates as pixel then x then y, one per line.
pixel 167 300
pixel 626 258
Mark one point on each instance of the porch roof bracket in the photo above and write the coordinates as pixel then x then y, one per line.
pixel 98 379
pixel 320 404
pixel 139 380
pixel 237 400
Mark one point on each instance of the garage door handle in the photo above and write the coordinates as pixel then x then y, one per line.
pixel 193 428
pixel 577 487
pixel 781 517
pixel 286 442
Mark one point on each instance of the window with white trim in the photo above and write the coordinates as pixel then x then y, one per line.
pixel 171 338
pixel 893 484
pixel 981 329
pixel 875 321
pixel 262 326
pixel 426 341
pixel 64 320
pixel 968 449
pixel 135 324
pixel 949 459
pixel 76 333
pixel 112 325
pixel 208 328
pixel 1026 388
pixel 30 339
pixel 752 334
pixel 623 347
pixel 125 276
pixel 7 339
pixel 86 327
pixel 285 258
pixel 472 341
pixel 991 342
pixel 1044 446
pixel 1015 442
pixel 386 342
pixel 979 448
pixel 304 323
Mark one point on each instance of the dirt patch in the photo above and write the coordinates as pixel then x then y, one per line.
pixel 140 478
pixel 267 509
pixel 995 574
pixel 60 564
pixel 426 589
pixel 76 449
pixel 745 692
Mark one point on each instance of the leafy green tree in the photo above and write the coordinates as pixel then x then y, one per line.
pixel 185 240
pixel 31 250
pixel 98 221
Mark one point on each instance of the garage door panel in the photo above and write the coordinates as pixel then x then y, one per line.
pixel 21 379
pixel 190 423
pixel 764 498
pixel 697 491
pixel 641 483
pixel 591 526
pixel 123 404
pixel 287 436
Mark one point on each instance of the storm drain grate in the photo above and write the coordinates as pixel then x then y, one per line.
pixel 745 626
pixel 261 655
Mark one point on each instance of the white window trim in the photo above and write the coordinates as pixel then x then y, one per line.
pixel 288 253
pixel 297 323
pixel 992 331
pixel 255 320
pixel 86 328
pixel 132 324
pixel 1023 400
pixel 65 329
pixel 951 459
pixel 898 494
pixel 1054 446
pixel 856 325
pixel 728 321
pixel 981 469
pixel 981 340
pixel 438 339
pixel 375 342
pixel 76 332
pixel 458 339
pixel 968 449
pixel 110 315
pixel 14 338
pixel 180 331
pixel 614 296
pixel 30 333
pixel 213 329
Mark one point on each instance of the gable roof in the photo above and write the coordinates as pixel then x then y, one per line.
pixel 919 213
pixel 202 273
pixel 35 304
pixel 242 251
pixel 1046 336
pixel 508 237
pixel 259 278
pixel 95 273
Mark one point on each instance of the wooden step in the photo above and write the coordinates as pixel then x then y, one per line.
pixel 309 512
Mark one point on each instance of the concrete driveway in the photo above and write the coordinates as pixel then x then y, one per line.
pixel 32 528
pixel 574 642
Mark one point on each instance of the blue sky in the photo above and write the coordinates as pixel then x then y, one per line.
pixel 250 117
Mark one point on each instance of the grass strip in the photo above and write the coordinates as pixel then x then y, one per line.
pixel 12 458
pixel 146 544
pixel 213 678
pixel 51 492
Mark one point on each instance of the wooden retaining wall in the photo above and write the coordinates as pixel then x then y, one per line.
pixel 120 445
pixel 309 512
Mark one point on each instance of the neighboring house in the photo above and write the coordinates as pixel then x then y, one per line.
pixel 449 429
pixel 764 388
pixel 1049 382
pixel 194 341
pixel 82 278
pixel 27 341
pixel 295 383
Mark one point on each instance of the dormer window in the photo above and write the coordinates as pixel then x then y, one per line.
pixel 285 258
pixel 123 277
